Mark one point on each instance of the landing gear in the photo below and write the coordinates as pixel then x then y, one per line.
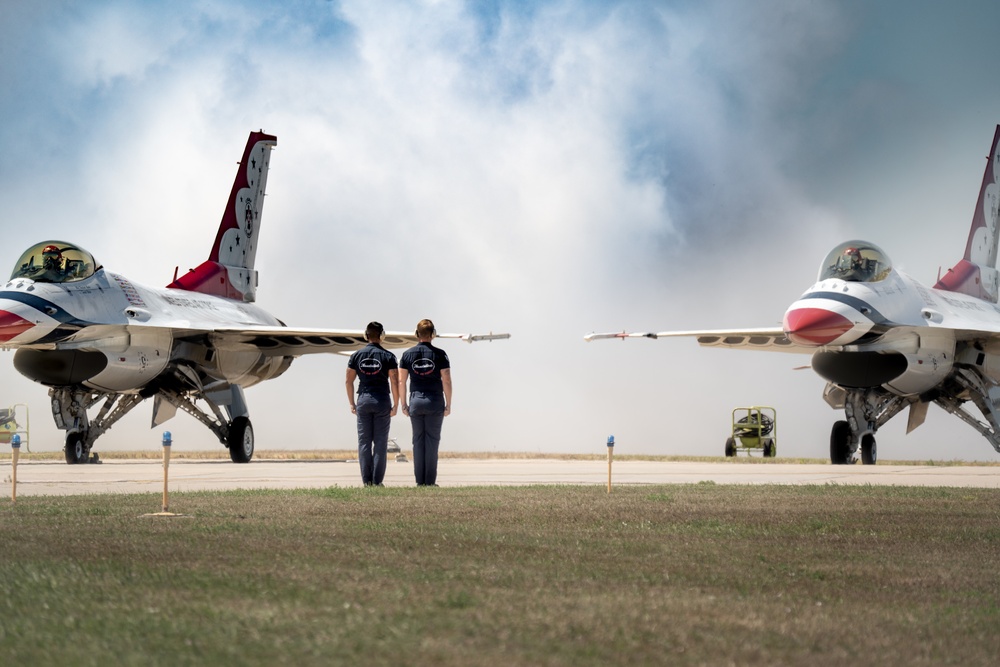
pixel 76 449
pixel 840 443
pixel 866 410
pixel 240 440
pixel 70 406
pixel 869 453
pixel 841 451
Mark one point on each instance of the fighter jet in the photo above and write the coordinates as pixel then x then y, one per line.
pixel 95 338
pixel 884 342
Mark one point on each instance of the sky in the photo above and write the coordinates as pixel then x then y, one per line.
pixel 546 169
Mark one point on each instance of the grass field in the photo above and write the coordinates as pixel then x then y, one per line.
pixel 545 575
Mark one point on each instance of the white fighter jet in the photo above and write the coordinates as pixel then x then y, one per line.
pixel 884 342
pixel 93 336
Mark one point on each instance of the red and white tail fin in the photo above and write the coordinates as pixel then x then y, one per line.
pixel 977 273
pixel 229 269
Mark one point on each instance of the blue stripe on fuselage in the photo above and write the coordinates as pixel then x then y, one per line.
pixel 68 324
pixel 854 302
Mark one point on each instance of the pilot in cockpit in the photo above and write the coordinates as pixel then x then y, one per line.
pixel 52 264
pixel 856 261
pixel 858 266
pixel 55 262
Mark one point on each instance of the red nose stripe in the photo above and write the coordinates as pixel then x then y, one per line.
pixel 815 326
pixel 11 325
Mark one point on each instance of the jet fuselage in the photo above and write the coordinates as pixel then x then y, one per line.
pixel 109 333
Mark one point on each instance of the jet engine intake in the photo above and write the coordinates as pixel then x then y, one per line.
pixel 59 368
pixel 859 369
pixel 902 373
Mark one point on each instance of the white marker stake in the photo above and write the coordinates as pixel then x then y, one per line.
pixel 611 450
pixel 15 451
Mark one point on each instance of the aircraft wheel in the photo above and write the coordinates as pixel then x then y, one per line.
pixel 240 440
pixel 869 452
pixel 730 447
pixel 75 450
pixel 840 443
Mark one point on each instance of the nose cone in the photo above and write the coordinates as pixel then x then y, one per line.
pixel 815 327
pixel 12 325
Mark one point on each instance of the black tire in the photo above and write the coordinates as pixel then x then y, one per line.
pixel 240 440
pixel 770 449
pixel 730 447
pixel 840 443
pixel 869 451
pixel 75 450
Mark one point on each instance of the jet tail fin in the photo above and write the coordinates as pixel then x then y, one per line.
pixel 229 269
pixel 976 274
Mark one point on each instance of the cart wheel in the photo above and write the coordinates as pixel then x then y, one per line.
pixel 769 448
pixel 730 447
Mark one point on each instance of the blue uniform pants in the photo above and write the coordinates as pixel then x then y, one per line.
pixel 426 418
pixel 373 435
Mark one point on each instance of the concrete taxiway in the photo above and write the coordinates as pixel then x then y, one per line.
pixel 130 476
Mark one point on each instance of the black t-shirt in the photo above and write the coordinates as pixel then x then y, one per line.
pixel 424 363
pixel 372 363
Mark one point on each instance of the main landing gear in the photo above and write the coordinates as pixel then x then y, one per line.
pixel 841 450
pixel 240 440
pixel 77 450
pixel 866 410
pixel 70 406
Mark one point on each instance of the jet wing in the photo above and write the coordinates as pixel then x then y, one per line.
pixel 269 340
pixel 768 339
pixel 285 341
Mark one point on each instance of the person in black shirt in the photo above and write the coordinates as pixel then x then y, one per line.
pixel 375 368
pixel 429 372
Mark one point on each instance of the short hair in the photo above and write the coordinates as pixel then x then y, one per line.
pixel 425 329
pixel 374 331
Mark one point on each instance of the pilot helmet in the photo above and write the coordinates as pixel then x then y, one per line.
pixel 51 257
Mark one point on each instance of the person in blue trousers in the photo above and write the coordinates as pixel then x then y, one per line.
pixel 429 372
pixel 377 373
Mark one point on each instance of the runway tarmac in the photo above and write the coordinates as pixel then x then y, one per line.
pixel 128 476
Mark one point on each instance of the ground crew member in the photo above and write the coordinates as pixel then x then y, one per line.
pixel 429 371
pixel 375 368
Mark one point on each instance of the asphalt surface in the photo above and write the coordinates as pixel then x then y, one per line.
pixel 129 476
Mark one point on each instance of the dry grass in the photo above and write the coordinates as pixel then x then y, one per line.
pixel 348 454
pixel 695 574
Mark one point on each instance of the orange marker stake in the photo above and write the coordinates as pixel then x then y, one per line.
pixel 611 454
pixel 15 451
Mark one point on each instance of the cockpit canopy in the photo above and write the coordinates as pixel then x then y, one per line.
pixel 55 262
pixel 856 262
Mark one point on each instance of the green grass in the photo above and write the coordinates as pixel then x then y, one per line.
pixel 544 575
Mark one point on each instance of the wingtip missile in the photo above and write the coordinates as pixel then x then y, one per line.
pixel 619 334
